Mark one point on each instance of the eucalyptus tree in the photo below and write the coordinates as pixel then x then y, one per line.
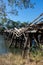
pixel 13 6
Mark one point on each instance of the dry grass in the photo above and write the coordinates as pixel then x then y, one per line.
pixel 10 59
pixel 17 59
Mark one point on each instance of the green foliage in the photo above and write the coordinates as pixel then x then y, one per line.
pixel 3 20
pixel 18 24
pixel 14 5
pixel 2 29
pixel 13 10
pixel 37 51
pixel 24 24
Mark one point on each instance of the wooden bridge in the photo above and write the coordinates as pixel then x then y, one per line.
pixel 23 37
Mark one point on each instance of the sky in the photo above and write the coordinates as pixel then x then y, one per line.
pixel 29 14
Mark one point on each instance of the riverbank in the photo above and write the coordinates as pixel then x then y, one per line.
pixel 17 59
pixel 9 58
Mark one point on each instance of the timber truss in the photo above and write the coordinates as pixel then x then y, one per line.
pixel 23 37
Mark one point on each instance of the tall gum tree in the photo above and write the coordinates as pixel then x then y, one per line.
pixel 13 7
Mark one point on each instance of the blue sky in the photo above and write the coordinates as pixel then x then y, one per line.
pixel 28 15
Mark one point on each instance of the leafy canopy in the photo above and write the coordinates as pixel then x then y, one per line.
pixel 13 6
